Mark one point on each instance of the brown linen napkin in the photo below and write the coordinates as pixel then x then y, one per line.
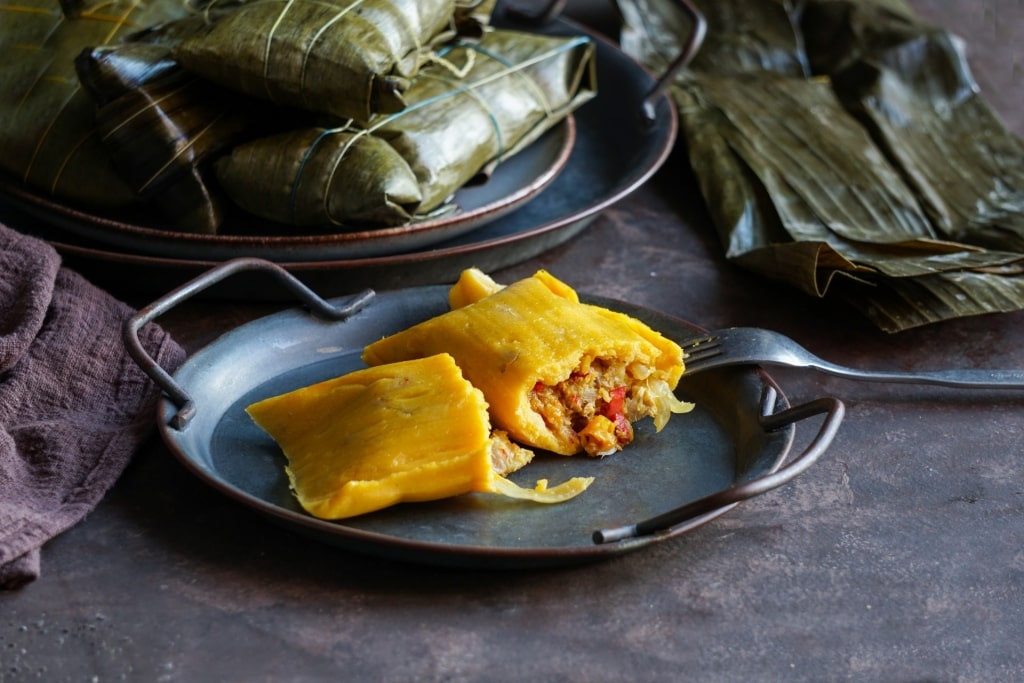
pixel 73 405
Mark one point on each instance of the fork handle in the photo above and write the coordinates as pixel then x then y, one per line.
pixel 974 379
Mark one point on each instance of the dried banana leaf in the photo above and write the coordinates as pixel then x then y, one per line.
pixel 349 58
pixel 161 124
pixel 48 139
pixel 882 169
pixel 756 35
pixel 894 305
pixel 916 96
pixel 482 104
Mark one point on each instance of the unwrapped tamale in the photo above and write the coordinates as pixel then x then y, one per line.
pixel 405 432
pixel 349 58
pixel 482 103
pixel 556 373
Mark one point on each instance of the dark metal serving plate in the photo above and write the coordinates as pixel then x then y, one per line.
pixel 697 468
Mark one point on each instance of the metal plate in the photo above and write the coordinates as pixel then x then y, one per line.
pixel 719 444
pixel 513 183
pixel 616 150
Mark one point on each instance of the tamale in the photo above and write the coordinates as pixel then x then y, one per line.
pixel 349 58
pixel 405 432
pixel 503 91
pixel 48 138
pixel 161 124
pixel 320 177
pixel 557 374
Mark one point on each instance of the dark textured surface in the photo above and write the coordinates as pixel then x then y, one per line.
pixel 899 557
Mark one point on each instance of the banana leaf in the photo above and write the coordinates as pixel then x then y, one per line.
pixel 881 173
pixel 503 91
pixel 48 137
pixel 913 91
pixel 348 58
pixel 162 124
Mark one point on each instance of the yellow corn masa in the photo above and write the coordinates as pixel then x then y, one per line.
pixel 513 341
pixel 403 432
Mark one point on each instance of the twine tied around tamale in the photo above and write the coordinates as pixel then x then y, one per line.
pixel 467 89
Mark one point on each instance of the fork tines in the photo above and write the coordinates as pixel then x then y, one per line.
pixel 702 348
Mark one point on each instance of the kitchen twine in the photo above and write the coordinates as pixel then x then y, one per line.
pixel 513 70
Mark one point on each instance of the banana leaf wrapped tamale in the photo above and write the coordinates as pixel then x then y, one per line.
pixel 348 58
pixel 48 139
pixel 556 373
pixel 404 432
pixel 161 124
pixel 484 103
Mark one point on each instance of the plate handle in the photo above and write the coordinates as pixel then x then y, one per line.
pixel 833 409
pixel 174 391
pixel 555 7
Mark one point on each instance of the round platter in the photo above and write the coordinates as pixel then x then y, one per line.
pixel 721 444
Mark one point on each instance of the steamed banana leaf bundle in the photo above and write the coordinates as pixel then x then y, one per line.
pixel 503 91
pixel 876 169
pixel 349 58
pixel 48 136
pixel 160 124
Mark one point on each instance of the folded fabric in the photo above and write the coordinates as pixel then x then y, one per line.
pixel 73 405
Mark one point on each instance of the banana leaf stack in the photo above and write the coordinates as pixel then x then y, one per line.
pixel 323 114
pixel 843 146
pixel 504 91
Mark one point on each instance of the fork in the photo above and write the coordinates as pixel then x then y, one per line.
pixel 756 346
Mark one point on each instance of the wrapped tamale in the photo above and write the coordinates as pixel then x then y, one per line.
pixel 349 58
pixel 161 125
pixel 557 373
pixel 48 137
pixel 482 104
pixel 405 432
pixel 318 177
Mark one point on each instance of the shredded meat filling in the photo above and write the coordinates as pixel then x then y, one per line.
pixel 596 405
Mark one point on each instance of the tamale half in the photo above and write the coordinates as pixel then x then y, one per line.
pixel 557 373
pixel 404 432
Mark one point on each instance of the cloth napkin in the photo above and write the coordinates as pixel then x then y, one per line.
pixel 73 405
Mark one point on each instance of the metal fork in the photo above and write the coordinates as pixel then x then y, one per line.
pixel 755 346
